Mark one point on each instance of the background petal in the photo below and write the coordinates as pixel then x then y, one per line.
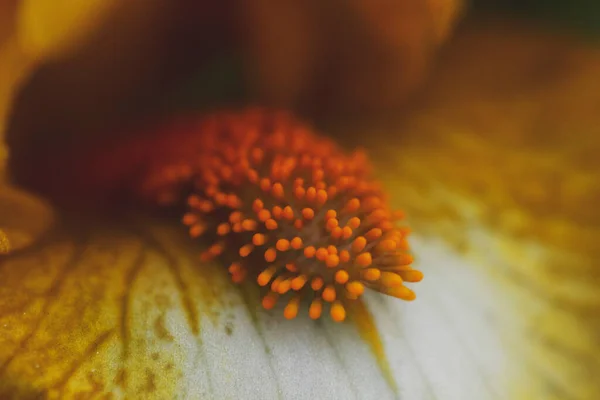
pixel 32 31
pixel 499 159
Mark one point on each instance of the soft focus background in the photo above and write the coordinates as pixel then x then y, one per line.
pixel 483 120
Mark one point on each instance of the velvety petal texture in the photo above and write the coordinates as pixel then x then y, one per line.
pixel 131 312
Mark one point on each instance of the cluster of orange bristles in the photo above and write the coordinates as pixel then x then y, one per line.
pixel 289 210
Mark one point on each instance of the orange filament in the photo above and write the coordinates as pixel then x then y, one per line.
pixel 323 221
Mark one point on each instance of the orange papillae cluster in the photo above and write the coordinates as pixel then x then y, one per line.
pixel 290 210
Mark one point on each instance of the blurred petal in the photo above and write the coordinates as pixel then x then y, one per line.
pixel 31 31
pixel 49 27
pixel 500 160
pixel 360 56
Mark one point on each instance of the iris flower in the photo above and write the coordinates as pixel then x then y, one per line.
pixel 495 161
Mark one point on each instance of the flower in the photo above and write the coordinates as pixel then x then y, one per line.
pixel 505 229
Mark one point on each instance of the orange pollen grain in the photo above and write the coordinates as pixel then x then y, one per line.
pixel 257 205
pixel 317 283
pixel 338 313
pixel 308 213
pixel 316 309
pixel 299 192
pixel 189 219
pixel 321 196
pixel 371 274
pixel 291 310
pixel 331 224
pixel 332 260
pixel 346 232
pixel 296 243
pixel 364 259
pixel 341 277
pixel 336 233
pixel 265 276
pixel 271 224
pixel 270 254
pixel 373 234
pixel 249 225
pixel 223 229
pixel 344 256
pixel 277 212
pixel 309 251
pixel 288 213
pixel 277 190
pixel 265 184
pixel 263 215
pixel 311 194
pixel 359 244
pixel 321 253
pixel 387 245
pixel 354 222
pixel 258 239
pixel 353 205
pixel 282 245
pixel 269 301
pixel 329 294
pixel 299 282
pixel 246 249
pixel 355 288
pixel 390 279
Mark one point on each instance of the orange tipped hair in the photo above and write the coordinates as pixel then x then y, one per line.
pixel 287 209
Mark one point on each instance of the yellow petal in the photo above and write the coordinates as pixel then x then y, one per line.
pixel 502 163
pixel 132 312
pixel 46 27
pixel 32 31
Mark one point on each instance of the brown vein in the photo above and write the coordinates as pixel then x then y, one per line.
pixel 173 266
pixel 85 356
pixel 52 298
pixel 130 278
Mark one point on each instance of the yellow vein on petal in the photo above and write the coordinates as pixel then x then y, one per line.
pixel 51 298
pixel 130 277
pixel 363 320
